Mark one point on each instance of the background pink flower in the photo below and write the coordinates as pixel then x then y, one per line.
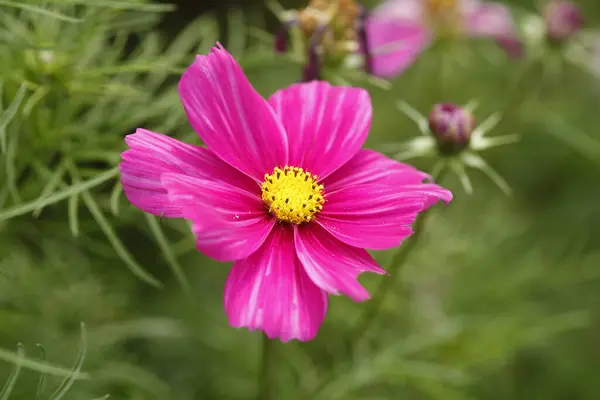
pixel 399 30
pixel 294 234
pixel 563 20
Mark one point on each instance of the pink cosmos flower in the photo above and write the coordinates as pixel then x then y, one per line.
pixel 400 30
pixel 283 189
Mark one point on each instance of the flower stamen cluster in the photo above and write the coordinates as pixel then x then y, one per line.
pixel 292 195
pixel 443 16
pixel 330 31
pixel 337 15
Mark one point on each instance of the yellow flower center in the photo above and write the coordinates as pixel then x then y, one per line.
pixel 340 18
pixel 292 194
pixel 443 16
pixel 440 6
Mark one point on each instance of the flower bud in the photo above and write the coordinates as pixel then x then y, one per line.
pixel 312 69
pixel 47 62
pixel 363 40
pixel 331 32
pixel 563 20
pixel 512 46
pixel 282 37
pixel 452 126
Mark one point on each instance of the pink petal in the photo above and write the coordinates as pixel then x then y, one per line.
pixel 326 125
pixel 369 166
pixel 270 291
pixel 229 223
pixel 151 154
pixel 376 216
pixel 395 44
pixel 493 20
pixel 234 121
pixel 332 265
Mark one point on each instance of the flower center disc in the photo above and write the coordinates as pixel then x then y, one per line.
pixel 440 6
pixel 443 16
pixel 292 194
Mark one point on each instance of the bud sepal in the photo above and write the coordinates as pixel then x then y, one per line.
pixel 451 135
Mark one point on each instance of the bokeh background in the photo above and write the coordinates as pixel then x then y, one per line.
pixel 499 301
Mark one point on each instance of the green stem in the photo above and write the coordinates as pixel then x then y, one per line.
pixel 526 86
pixel 265 379
pixel 398 260
pixel 436 71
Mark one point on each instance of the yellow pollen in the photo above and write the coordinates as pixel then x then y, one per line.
pixel 339 15
pixel 440 6
pixel 444 17
pixel 292 194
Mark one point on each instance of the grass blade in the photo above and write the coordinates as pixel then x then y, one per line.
pixel 168 253
pixel 183 44
pixel 10 169
pixel 35 98
pixel 73 208
pixel 118 5
pixel 73 202
pixel 42 381
pixel 39 365
pixel 115 196
pixel 69 380
pixel 70 191
pixel 14 375
pixel 53 182
pixel 112 237
pixel 116 243
pixel 9 114
pixel 39 10
pixel 157 65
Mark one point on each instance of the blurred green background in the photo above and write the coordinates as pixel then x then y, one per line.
pixel 499 301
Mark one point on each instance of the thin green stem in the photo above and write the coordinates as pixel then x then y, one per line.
pixel 265 379
pixel 526 86
pixel 436 71
pixel 395 265
pixel 371 312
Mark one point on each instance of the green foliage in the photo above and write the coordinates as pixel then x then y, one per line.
pixel 86 89
pixel 499 301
